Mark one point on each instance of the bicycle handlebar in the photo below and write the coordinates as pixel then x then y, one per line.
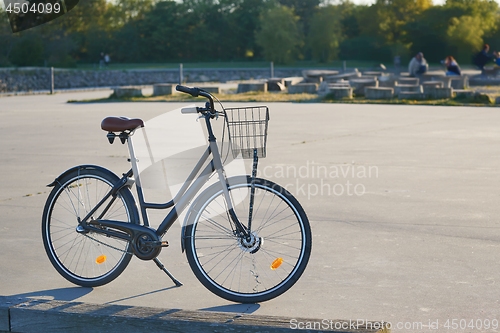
pixel 191 91
pixel 195 92
pixel 191 109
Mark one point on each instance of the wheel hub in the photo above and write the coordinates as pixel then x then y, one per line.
pixel 252 243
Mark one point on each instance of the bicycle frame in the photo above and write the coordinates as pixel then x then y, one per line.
pixel 180 201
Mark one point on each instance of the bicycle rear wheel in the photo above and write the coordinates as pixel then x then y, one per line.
pixel 248 270
pixel 87 259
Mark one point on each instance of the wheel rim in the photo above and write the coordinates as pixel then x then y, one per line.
pixel 84 256
pixel 243 268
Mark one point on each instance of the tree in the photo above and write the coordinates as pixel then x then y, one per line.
pixel 7 39
pixel 279 34
pixel 464 36
pixel 325 34
pixel 28 50
pixel 243 22
pixel 393 15
pixel 304 9
pixel 427 34
pixel 458 28
pixel 471 21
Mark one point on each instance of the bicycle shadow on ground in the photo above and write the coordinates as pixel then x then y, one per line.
pixel 234 308
pixel 60 294
pixel 140 295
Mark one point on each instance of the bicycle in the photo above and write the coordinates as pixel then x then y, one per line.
pixel 246 239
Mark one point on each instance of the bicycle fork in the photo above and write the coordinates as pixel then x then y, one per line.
pixel 252 188
pixel 240 229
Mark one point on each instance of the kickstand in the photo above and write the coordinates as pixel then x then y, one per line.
pixel 160 266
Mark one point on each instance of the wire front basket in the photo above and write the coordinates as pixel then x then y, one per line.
pixel 248 130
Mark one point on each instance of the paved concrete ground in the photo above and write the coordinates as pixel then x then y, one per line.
pixel 419 246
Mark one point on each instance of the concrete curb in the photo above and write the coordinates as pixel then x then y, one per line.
pixel 25 315
pixel 56 91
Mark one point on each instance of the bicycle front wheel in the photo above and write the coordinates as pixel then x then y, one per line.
pixel 88 259
pixel 261 266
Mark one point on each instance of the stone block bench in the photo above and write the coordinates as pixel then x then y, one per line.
pixel 432 84
pixel 340 92
pixel 438 93
pixel 162 89
pixel 411 95
pixel 379 92
pixel 416 88
pixel 340 84
pixel 386 81
pixel 317 75
pixel 308 88
pixel 121 92
pixel 490 71
pixel 255 86
pixel 459 82
pixel 343 76
pixel 324 87
pixel 290 81
pixel 372 73
pixel 456 82
pixel 276 84
pixel 408 80
pixel 212 89
pixel 432 75
pixel 360 84
pixel 462 93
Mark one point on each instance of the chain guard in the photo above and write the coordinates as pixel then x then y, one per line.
pixel 146 246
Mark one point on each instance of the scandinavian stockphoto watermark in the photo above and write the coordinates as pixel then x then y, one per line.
pixel 449 324
pixel 315 179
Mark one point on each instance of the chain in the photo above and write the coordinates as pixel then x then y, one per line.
pixel 110 246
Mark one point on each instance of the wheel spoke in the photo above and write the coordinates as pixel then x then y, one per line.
pixel 239 268
pixel 75 254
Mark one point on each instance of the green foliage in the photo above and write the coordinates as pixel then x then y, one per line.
pixel 27 51
pixel 365 48
pixel 477 98
pixel 325 34
pixel 6 39
pixel 279 35
pixel 464 34
pixel 139 31
pixel 304 9
pixel 393 15
pixel 428 34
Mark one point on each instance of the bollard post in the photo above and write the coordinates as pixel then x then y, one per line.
pixel 51 80
pixel 272 69
pixel 181 78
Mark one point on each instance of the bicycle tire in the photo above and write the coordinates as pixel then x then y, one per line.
pixel 86 259
pixel 237 270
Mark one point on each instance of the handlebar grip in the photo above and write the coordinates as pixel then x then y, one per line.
pixel 188 110
pixel 191 91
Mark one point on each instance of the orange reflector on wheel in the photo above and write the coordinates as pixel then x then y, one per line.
pixel 101 259
pixel 276 263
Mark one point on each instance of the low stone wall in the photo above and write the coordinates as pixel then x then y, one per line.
pixel 32 79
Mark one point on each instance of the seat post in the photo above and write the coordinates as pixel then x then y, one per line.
pixel 135 168
pixel 133 161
